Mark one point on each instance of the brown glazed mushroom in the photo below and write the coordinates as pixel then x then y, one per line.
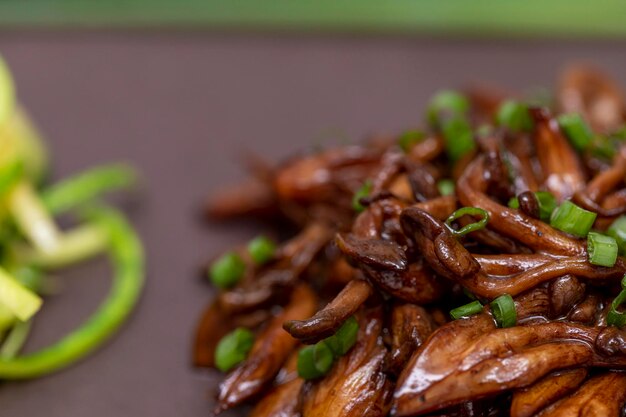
pixel 357 385
pixel 603 395
pixel 282 399
pixel 271 349
pixel 428 275
pixel 528 401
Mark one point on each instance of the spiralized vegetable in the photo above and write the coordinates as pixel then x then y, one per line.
pixel 31 244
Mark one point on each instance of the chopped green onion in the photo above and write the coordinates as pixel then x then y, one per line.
pixel 547 204
pixel 18 299
pixel 511 172
pixel 572 219
pixel 446 187
pixel 86 186
pixel 446 103
pixel 514 116
pixel 458 137
pixel 503 309
pixel 447 112
pixel 261 249
pixel 227 270
pixel 617 230
pixel 615 317
pixel 409 138
pixel 603 147
pixel 466 310
pixel 619 134
pixel 15 340
pixel 469 294
pixel 315 361
pixel 32 218
pixel 576 130
pixel 545 200
pixel 602 249
pixel 362 192
pixel 472 227
pixel 484 130
pixel 343 340
pixel 233 349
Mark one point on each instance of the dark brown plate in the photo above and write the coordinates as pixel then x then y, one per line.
pixel 180 107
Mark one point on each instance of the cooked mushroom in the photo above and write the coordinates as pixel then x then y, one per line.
pixel 357 385
pixel 270 351
pixel 469 270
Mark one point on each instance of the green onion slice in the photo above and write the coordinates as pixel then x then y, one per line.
pixel 615 317
pixel 617 231
pixel 315 361
pixel 343 340
pixel 513 203
pixel 503 309
pixel 446 103
pixel 261 249
pixel 472 227
pixel 547 204
pixel 514 116
pixel 447 112
pixel 446 187
pixel 572 219
pixel 619 134
pixel 409 138
pixel 576 130
pixel 466 310
pixel 362 192
pixel 458 137
pixel 602 249
pixel 545 200
pixel 469 294
pixel 484 130
pixel 233 349
pixel 604 147
pixel 227 270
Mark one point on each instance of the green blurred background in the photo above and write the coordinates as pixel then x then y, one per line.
pixel 535 18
